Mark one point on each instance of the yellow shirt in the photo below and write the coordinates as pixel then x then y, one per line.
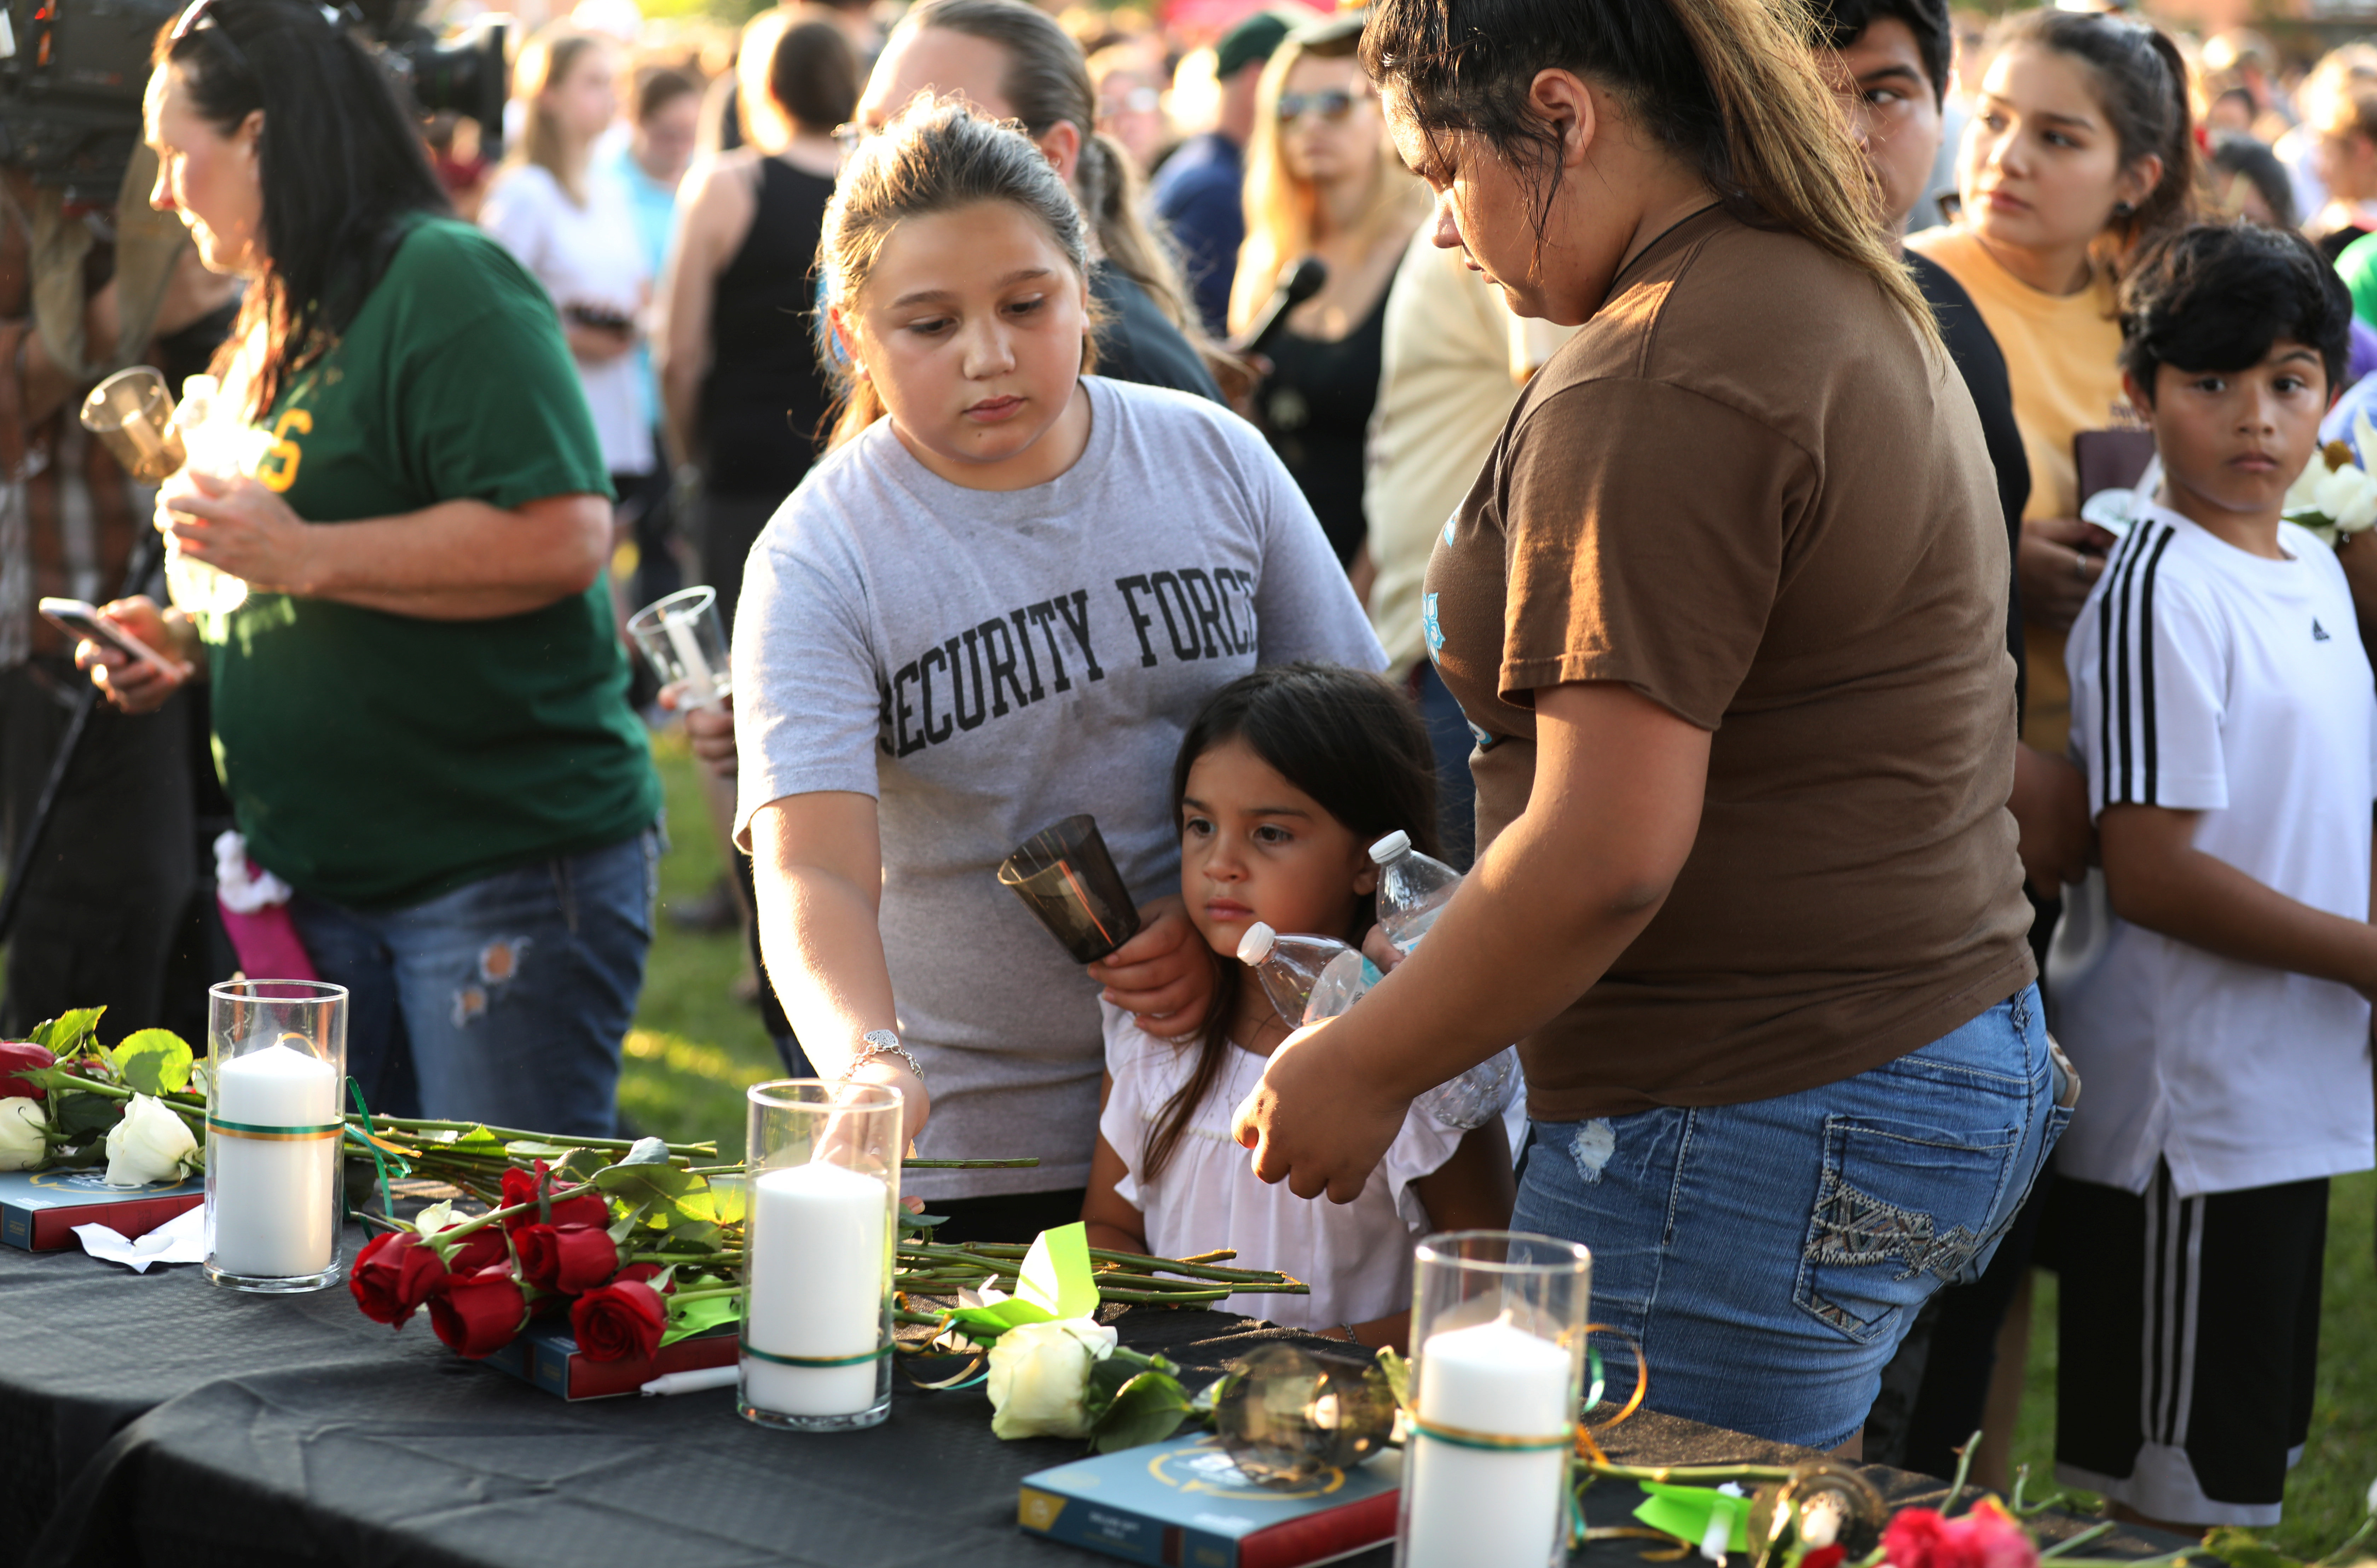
pixel 2062 359
pixel 2062 355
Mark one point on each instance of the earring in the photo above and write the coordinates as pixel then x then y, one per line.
pixel 2125 210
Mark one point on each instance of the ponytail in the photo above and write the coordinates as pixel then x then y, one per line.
pixel 2141 81
pixel 1726 86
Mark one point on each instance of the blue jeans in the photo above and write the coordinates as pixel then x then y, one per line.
pixel 505 1001
pixel 1770 1256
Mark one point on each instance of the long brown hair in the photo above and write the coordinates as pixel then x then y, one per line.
pixel 1726 86
pixel 543 63
pixel 1357 747
pixel 932 157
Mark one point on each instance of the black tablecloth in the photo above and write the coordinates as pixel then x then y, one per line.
pixel 158 1420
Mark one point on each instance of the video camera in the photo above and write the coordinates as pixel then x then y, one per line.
pixel 72 73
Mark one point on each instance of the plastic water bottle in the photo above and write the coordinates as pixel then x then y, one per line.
pixel 209 434
pixel 1306 978
pixel 1413 890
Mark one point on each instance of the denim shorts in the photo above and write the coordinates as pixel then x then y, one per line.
pixel 1770 1256
pixel 505 1001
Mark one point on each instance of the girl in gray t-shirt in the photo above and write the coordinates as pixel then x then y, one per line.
pixel 998 601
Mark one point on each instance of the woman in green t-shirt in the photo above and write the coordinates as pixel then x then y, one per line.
pixel 419 708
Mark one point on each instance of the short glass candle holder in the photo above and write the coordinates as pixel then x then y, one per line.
pixel 1497 1339
pixel 684 639
pixel 821 1196
pixel 275 1066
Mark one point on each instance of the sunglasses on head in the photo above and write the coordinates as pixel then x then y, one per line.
pixel 1332 105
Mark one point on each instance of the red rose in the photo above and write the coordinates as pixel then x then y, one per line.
pixel 17 1056
pixel 568 1258
pixel 1985 1537
pixel 625 1318
pixel 520 1187
pixel 393 1276
pixel 482 1248
pixel 1825 1556
pixel 477 1314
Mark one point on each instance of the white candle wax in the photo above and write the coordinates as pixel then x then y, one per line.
pixel 817 1281
pixel 700 686
pixel 1479 1508
pixel 272 1208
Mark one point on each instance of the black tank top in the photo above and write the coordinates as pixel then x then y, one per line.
pixel 766 395
pixel 1316 409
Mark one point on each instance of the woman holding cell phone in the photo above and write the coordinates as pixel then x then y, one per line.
pixel 419 710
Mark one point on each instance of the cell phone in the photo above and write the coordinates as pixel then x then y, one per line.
pixel 81 620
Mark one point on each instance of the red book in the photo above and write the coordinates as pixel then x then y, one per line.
pixel 546 1355
pixel 38 1209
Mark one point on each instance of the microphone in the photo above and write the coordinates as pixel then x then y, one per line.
pixel 1303 279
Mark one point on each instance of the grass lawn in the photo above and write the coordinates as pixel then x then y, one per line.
pixel 694 1049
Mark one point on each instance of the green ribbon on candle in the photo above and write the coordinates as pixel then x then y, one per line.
pixel 274 1134
pixel 874 1355
pixel 1461 1437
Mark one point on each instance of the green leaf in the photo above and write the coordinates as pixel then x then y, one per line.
pixel 646 1151
pixel 2242 1548
pixel 1149 1408
pixel 529 1148
pixel 1398 1373
pixel 83 1115
pixel 152 1061
pixel 919 1224
pixel 579 1165
pixel 1054 1283
pixel 64 1033
pixel 700 1317
pixel 477 1138
pixel 645 1183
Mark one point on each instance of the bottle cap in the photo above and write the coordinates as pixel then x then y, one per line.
pixel 1255 946
pixel 200 386
pixel 1394 847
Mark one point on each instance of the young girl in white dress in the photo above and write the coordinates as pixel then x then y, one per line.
pixel 1283 783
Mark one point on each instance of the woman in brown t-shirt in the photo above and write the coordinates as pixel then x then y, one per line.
pixel 1726 612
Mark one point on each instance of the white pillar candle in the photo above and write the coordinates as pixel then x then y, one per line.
pixel 1476 1508
pixel 700 686
pixel 273 1217
pixel 816 1279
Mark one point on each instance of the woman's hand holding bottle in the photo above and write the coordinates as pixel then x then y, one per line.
pixel 239 525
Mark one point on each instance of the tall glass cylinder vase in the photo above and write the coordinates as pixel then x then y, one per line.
pixel 1498 1336
pixel 822 1223
pixel 276 1068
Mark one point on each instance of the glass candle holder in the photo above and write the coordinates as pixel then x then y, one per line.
pixel 821 1195
pixel 684 639
pixel 132 412
pixel 1066 876
pixel 1498 1336
pixel 276 1067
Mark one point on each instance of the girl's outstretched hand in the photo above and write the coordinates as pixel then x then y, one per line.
pixel 1164 974
pixel 1314 1124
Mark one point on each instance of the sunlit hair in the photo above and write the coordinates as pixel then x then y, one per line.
pixel 1047 79
pixel 932 157
pixel 2139 79
pixel 1726 86
pixel 795 73
pixel 545 62
pixel 342 166
pixel 1281 208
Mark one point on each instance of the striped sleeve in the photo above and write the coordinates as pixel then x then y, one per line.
pixel 2149 684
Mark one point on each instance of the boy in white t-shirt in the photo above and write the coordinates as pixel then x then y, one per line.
pixel 2223 707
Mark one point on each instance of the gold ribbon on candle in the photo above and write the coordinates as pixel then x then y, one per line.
pixel 1461 1437
pixel 275 1134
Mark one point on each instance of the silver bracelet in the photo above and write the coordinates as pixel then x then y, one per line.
pixel 876 1042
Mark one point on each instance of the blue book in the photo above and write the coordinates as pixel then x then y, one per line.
pixel 1183 1504
pixel 38 1209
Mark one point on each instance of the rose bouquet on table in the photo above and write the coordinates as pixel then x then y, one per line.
pixel 68 1102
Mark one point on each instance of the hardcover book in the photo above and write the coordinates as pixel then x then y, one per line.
pixel 546 1355
pixel 1183 1504
pixel 38 1209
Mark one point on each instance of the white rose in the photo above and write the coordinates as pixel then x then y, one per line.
pixel 1040 1376
pixel 2372 1497
pixel 2303 494
pixel 21 1147
pixel 149 1143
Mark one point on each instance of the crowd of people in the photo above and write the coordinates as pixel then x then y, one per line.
pixel 1799 517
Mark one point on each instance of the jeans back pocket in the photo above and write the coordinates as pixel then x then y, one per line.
pixel 1898 1201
